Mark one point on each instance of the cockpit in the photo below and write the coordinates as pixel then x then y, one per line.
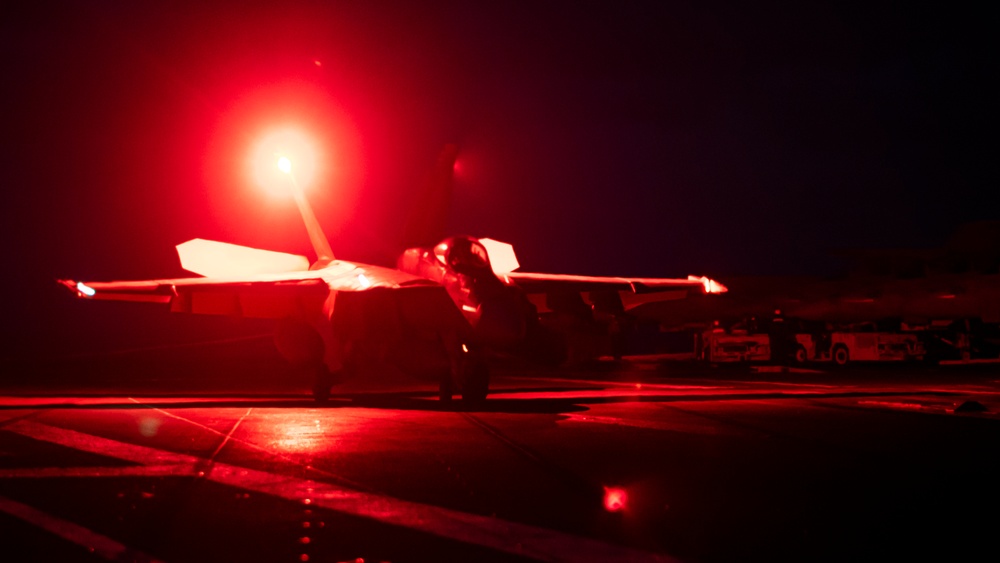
pixel 464 255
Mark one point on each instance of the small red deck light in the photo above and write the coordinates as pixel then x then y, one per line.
pixel 615 499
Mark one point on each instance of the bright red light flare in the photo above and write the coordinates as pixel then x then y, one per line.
pixel 300 121
pixel 615 499
pixel 287 145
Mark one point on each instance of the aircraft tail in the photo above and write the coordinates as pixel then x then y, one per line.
pixel 428 219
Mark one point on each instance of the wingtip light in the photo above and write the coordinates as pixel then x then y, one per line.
pixel 711 286
pixel 85 289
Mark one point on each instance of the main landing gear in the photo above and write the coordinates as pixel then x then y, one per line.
pixel 322 382
pixel 469 375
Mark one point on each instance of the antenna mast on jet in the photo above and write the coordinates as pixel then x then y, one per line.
pixel 324 254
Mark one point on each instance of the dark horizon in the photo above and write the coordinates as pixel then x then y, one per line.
pixel 641 139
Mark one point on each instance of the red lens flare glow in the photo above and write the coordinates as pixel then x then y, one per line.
pixel 283 147
pixel 615 499
pixel 260 123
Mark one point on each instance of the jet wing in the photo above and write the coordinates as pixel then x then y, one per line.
pixel 632 292
pixel 272 295
pixel 547 283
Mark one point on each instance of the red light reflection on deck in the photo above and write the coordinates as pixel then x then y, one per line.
pixel 615 499
pixel 299 436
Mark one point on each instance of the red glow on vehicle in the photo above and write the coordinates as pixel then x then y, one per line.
pixel 318 62
pixel 615 499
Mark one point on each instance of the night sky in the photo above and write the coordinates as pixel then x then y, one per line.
pixel 632 138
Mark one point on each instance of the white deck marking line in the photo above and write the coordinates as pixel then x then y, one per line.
pixel 494 533
pixel 251 445
pixel 178 417
pixel 88 539
pixel 211 458
pixel 225 437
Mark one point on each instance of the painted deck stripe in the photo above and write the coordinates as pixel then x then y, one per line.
pixel 88 539
pixel 172 470
pixel 107 447
pixel 493 533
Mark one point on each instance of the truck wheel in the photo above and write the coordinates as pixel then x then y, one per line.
pixel 800 354
pixel 841 355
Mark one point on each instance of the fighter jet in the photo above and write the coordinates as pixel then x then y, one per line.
pixel 440 313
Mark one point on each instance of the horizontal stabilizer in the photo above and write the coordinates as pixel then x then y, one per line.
pixel 223 260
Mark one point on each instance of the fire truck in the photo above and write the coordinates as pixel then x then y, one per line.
pixel 858 343
pixel 840 346
pixel 721 346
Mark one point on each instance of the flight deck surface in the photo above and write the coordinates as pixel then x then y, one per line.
pixel 149 458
